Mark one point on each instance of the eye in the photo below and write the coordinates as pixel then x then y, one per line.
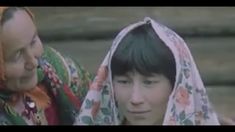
pixel 33 42
pixel 150 82
pixel 123 81
pixel 17 55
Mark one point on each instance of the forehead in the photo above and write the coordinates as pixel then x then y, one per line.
pixel 17 31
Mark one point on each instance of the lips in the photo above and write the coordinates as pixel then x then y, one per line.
pixel 29 76
pixel 139 111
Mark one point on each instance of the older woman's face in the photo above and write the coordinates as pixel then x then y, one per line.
pixel 22 47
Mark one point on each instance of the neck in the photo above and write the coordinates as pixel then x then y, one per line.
pixel 38 95
pixel 126 122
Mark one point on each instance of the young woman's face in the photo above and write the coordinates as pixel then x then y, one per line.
pixel 142 99
pixel 22 47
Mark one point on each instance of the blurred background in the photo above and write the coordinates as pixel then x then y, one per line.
pixel 86 33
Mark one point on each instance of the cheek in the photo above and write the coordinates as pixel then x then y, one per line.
pixel 122 95
pixel 159 96
pixel 14 70
pixel 38 49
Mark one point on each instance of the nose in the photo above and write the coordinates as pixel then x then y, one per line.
pixel 30 61
pixel 137 97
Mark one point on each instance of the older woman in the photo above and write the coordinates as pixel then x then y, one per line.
pixel 37 86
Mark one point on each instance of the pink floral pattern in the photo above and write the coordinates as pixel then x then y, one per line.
pixel 182 97
pixel 100 78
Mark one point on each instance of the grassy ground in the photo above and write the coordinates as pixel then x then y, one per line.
pixel 222 97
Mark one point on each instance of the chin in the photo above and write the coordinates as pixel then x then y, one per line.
pixel 28 87
pixel 141 122
pixel 31 85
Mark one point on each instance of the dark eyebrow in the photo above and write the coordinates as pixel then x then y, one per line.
pixel 124 75
pixel 128 75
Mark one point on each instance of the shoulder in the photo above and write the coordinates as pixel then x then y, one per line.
pixel 56 60
pixel 69 70
pixel 3 119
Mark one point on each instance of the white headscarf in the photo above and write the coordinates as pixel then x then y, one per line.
pixel 188 103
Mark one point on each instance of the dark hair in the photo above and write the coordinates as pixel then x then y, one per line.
pixel 142 50
pixel 8 14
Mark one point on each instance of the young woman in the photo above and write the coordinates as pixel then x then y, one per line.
pixel 148 77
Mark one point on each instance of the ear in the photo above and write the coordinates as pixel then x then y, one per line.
pixel 2 86
pixel 2 75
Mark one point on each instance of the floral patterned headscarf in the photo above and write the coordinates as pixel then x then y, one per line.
pixel 188 103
